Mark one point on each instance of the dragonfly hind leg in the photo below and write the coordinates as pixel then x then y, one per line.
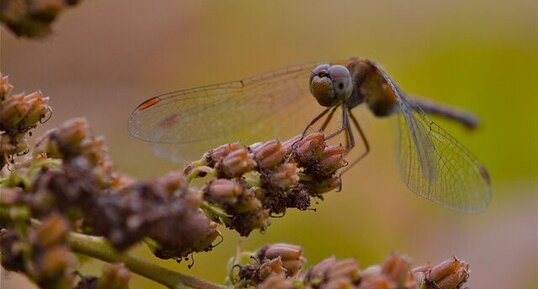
pixel 346 128
pixel 364 141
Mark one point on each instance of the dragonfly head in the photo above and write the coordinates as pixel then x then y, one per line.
pixel 331 84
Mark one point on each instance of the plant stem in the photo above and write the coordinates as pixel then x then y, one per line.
pixel 98 248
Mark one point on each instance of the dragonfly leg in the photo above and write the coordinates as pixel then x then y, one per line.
pixel 329 117
pixel 350 139
pixel 345 126
pixel 313 121
pixel 364 141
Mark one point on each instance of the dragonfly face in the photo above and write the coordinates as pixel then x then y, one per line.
pixel 331 84
pixel 431 163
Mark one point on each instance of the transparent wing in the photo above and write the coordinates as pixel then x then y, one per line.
pixel 433 164
pixel 185 123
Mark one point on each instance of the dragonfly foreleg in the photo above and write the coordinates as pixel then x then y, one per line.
pixel 328 119
pixel 313 121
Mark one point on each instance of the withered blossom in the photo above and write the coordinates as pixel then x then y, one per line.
pixel 19 113
pixel 32 18
pixel 270 266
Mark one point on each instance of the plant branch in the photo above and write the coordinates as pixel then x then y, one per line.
pixel 98 248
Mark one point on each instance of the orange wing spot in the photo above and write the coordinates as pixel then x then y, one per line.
pixel 148 103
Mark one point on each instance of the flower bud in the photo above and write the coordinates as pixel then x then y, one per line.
pixel 96 151
pixel 332 159
pixel 269 154
pixel 285 176
pixel 5 87
pixel 115 276
pixel 65 141
pixel 379 282
pixel 292 256
pixel 37 109
pixel 331 273
pixel 327 185
pixel 45 10
pixel 421 273
pixel 12 110
pixel 120 181
pixel 248 203
pixel 316 274
pixel 213 156
pixel 449 274
pixel 347 268
pixel 372 272
pixel 338 283
pixel 11 196
pixel 284 250
pixel 397 268
pixel 52 231
pixel 270 267
pixel 173 181
pixel 223 191
pixel 308 150
pixel 275 281
pixel 235 163
pixel 289 145
pixel 245 222
pixel 13 250
pixel 54 262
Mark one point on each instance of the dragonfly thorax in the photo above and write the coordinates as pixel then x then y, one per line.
pixel 331 84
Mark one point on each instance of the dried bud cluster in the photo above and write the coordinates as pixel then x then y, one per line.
pixel 280 266
pixel 32 18
pixel 41 253
pixel 264 179
pixel 173 217
pixel 164 210
pixel 85 188
pixel 19 113
pixel 272 266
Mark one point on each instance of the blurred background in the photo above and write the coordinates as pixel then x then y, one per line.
pixel 105 57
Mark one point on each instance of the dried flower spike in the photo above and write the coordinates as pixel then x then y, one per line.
pixel 18 115
pixel 32 18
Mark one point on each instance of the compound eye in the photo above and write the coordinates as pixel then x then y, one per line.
pixel 321 85
pixel 342 83
pixel 321 70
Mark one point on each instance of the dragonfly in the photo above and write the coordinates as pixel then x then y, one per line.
pixel 432 163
